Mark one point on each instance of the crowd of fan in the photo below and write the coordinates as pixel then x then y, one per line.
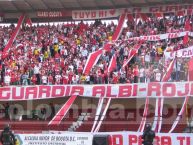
pixel 57 54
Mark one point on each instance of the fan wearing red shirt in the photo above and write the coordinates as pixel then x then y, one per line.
pixel 13 78
pixel 80 69
pixel 50 79
pixel 115 79
pixel 33 80
pixel 64 78
pixel 136 73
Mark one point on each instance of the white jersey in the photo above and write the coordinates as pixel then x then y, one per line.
pixel 58 79
pixel 44 79
pixel 7 79
pixel 158 76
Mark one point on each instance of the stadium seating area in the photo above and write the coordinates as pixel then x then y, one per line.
pixel 56 54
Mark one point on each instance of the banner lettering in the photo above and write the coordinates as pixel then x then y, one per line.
pixel 109 13
pixel 182 53
pixel 134 138
pixel 53 14
pixel 140 90
pixel 55 139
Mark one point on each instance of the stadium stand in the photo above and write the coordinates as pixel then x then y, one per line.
pixel 150 49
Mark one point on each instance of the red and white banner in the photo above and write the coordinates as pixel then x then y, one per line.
pixel 182 53
pixel 62 112
pixel 140 90
pixel 161 36
pixel 109 13
pixel 134 138
pixel 96 14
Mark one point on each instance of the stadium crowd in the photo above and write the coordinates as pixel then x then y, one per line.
pixel 56 54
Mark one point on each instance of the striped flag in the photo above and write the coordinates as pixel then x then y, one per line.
pixel 63 111
pixel 94 57
pixel 92 60
pixel 112 64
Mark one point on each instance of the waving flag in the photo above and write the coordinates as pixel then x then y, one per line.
pixel 112 64
pixel 13 36
pixel 93 57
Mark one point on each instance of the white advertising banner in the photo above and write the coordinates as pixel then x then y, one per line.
pixel 55 139
pixel 140 90
pixel 161 36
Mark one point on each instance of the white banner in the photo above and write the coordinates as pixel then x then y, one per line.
pixel 55 139
pixel 182 53
pixel 161 36
pixel 134 138
pixel 96 14
pixel 117 138
pixel 140 90
pixel 109 13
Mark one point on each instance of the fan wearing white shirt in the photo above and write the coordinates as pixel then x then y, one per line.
pixel 58 78
pixel 37 73
pixel 75 79
pixel 7 79
pixel 157 75
pixel 44 79
pixel 142 74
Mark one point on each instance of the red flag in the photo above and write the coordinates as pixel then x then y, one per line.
pixel 169 71
pixel 113 63
pixel 14 35
pixel 119 27
pixel 28 21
